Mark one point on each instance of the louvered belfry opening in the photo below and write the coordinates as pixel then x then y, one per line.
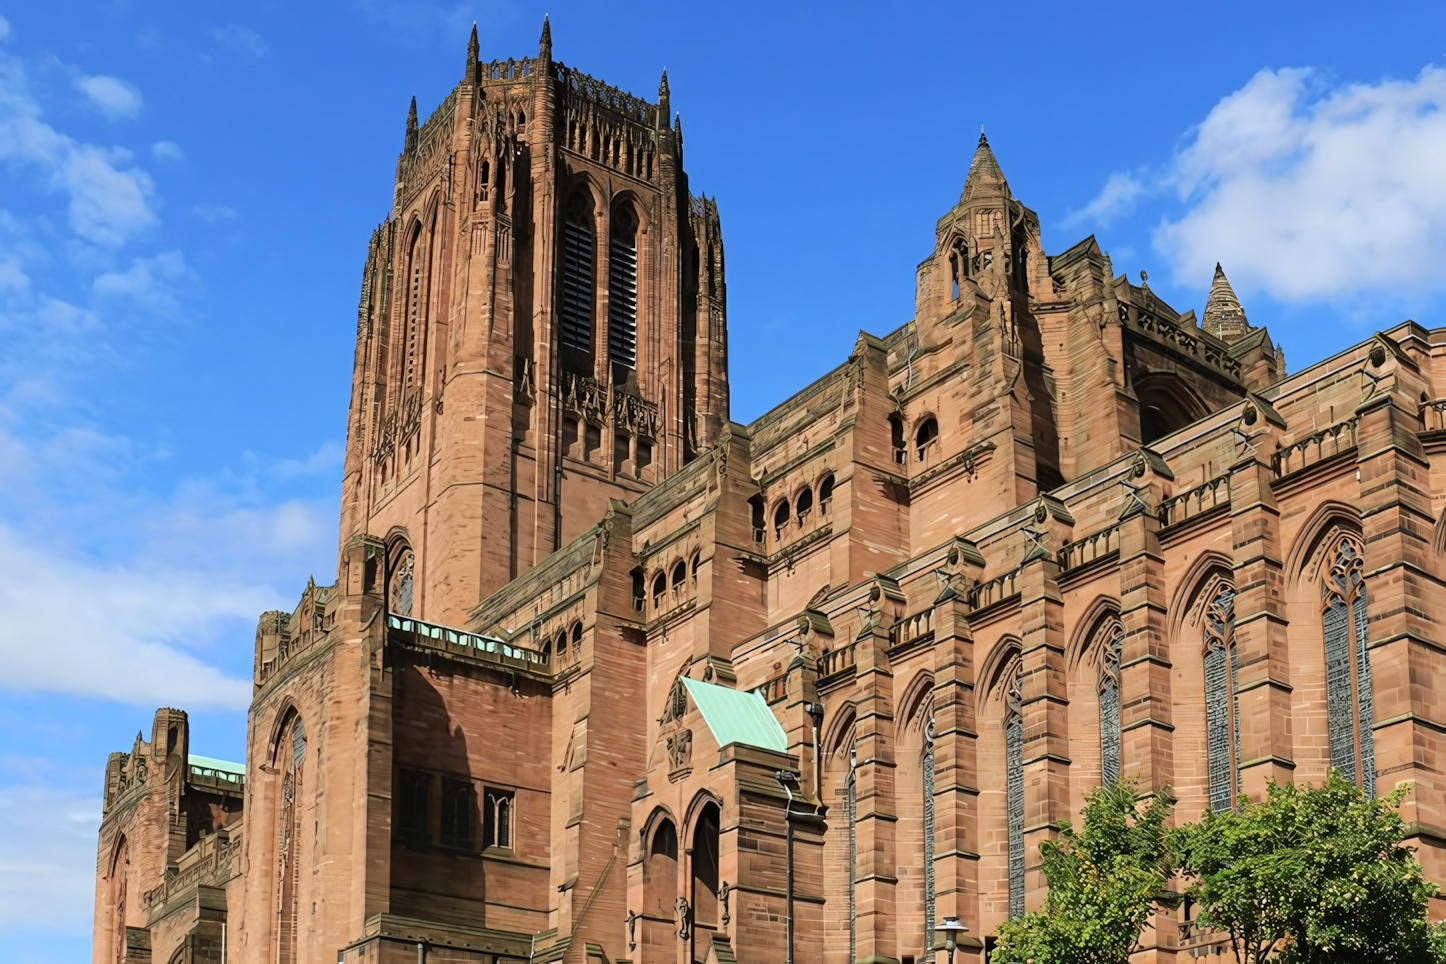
pixel 623 288
pixel 576 289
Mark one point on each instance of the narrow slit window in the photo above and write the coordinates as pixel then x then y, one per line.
pixel 497 819
pixel 577 276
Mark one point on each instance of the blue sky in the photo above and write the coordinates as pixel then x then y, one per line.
pixel 186 193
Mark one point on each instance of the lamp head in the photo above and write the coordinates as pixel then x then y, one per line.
pixel 951 929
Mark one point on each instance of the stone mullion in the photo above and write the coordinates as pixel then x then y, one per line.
pixel 877 813
pixel 1147 732
pixel 1263 692
pixel 1406 654
pixel 956 775
pixel 1045 711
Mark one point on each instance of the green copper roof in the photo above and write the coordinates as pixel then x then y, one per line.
pixel 208 763
pixel 736 717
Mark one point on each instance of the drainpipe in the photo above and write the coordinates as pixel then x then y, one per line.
pixel 786 779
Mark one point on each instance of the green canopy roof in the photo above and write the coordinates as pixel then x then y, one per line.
pixel 736 717
pixel 209 763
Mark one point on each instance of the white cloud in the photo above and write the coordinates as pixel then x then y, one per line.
pixel 241 40
pixel 47 857
pixel 1311 192
pixel 4 29
pixel 167 151
pixel 154 282
pixel 115 98
pixel 109 201
pixel 1117 199
pixel 12 276
pixel 125 627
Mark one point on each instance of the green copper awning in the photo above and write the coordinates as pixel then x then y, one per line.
pixel 736 717
pixel 208 763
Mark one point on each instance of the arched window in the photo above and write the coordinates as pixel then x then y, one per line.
pixel 1222 702
pixel 780 518
pixel 120 875
pixel 623 288
pixel 953 276
pixel 896 438
pixel 484 172
pixel 927 432
pixel 660 588
pixel 399 595
pixel 1348 666
pixel 660 887
pixel 697 561
pixel 755 505
pixel 416 307
pixel 521 122
pixel 804 504
pixel 680 575
pixel 292 757
pixel 638 583
pixel 497 818
pixel 825 493
pixel 1111 641
pixel 930 893
pixel 576 636
pixel 561 642
pixel 705 879
pixel 1014 786
pixel 575 311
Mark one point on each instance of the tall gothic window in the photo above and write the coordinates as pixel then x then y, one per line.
pixel 1348 666
pixel 1014 787
pixel 1112 642
pixel 399 596
pixel 851 814
pixel 416 308
pixel 288 825
pixel 1222 704
pixel 929 887
pixel 623 288
pixel 575 311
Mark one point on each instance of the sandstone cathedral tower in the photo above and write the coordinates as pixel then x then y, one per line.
pixel 606 677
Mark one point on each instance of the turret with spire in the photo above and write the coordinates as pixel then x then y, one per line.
pixel 410 144
pixel 1224 315
pixel 544 46
pixel 985 179
pixel 663 101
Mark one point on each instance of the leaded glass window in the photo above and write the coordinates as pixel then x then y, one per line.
pixel 1111 646
pixel 1348 666
pixel 1014 789
pixel 851 812
pixel 929 891
pixel 399 597
pixel 1222 705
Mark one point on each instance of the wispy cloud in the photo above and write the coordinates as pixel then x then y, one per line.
pixel 110 199
pixel 1116 200
pixel 1306 190
pixel 114 98
pixel 47 857
pixel 167 151
pixel 243 41
pixel 152 282
pixel 214 212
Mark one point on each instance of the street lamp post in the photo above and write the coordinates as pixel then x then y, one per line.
pixel 951 929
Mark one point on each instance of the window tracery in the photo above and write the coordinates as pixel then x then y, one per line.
pixel 399 596
pixel 1222 704
pixel 1014 784
pixel 1111 643
pixel 1346 630
pixel 288 844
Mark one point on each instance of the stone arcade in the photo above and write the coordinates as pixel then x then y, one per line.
pixel 605 676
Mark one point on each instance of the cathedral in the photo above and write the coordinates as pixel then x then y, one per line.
pixel 606 677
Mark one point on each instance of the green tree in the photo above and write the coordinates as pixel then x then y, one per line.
pixel 1102 881
pixel 1312 875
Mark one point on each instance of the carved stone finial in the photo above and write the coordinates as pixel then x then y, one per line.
pixel 411 139
pixel 985 179
pixel 473 50
pixel 544 46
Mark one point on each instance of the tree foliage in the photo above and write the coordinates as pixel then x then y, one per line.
pixel 1102 882
pixel 1312 875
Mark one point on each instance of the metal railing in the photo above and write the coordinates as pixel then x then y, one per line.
pixel 486 647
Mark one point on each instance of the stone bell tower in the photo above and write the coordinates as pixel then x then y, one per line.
pixel 542 328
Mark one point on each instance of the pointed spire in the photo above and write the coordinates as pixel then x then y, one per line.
pixel 411 142
pixel 544 46
pixel 1224 315
pixel 664 101
pixel 473 50
pixel 985 178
